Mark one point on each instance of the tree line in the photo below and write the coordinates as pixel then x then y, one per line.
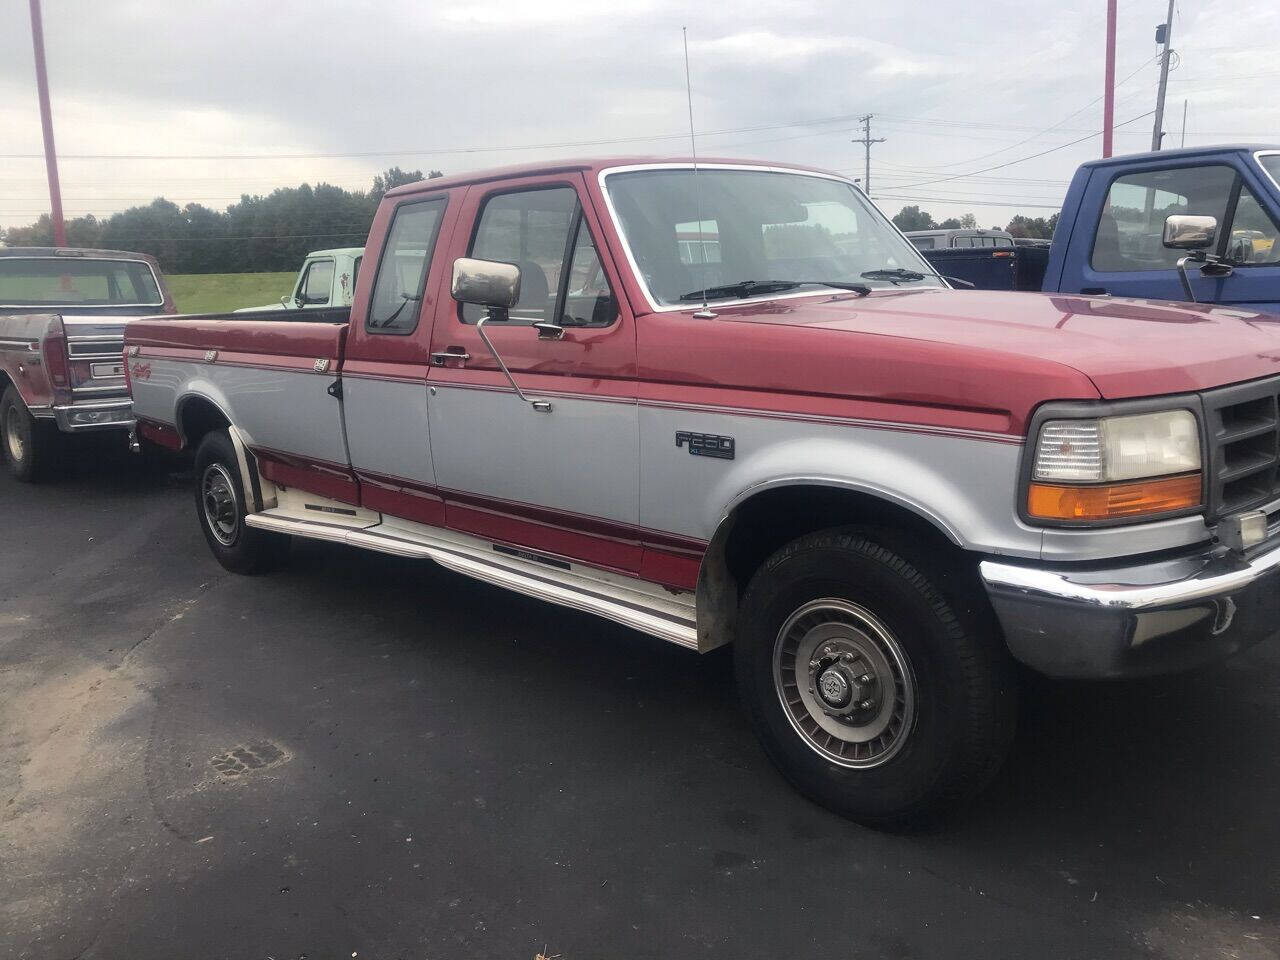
pixel 255 234
pixel 913 218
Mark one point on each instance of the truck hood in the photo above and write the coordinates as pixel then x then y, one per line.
pixel 1127 348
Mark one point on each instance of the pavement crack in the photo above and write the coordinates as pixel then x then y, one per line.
pixel 184 607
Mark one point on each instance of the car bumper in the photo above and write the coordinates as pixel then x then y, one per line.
pixel 1139 620
pixel 94 415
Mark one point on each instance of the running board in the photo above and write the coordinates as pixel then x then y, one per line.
pixel 638 604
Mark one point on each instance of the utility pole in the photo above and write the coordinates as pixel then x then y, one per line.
pixel 867 141
pixel 1109 82
pixel 1164 33
pixel 1184 124
pixel 46 122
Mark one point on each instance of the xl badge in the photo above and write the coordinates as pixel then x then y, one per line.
pixel 706 444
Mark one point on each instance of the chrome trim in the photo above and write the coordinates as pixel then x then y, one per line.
pixel 655 307
pixel 90 306
pixel 579 588
pixel 1059 585
pixel 62 413
pixel 1140 619
pixel 102 388
pixel 1257 158
pixel 31 345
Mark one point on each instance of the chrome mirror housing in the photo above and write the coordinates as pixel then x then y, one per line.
pixel 1190 233
pixel 488 283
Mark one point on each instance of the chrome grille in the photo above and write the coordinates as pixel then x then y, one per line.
pixel 1243 423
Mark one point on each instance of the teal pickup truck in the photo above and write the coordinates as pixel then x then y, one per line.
pixel 327 280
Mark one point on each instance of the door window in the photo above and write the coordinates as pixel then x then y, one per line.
pixel 318 282
pixel 560 281
pixel 1254 238
pixel 402 271
pixel 1130 234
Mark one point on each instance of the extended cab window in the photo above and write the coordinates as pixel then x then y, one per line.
pixel 402 271
pixel 1130 234
pixel 317 283
pixel 543 232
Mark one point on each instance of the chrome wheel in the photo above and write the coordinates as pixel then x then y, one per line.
pixel 221 509
pixel 845 683
pixel 13 435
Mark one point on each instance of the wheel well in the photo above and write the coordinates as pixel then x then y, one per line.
pixel 196 417
pixel 762 524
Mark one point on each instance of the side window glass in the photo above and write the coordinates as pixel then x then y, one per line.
pixel 531 230
pixel 1130 231
pixel 402 271
pixel 1254 237
pixel 318 283
pixel 923 243
pixel 588 300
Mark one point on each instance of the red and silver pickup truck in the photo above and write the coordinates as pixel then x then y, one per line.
pixel 62 317
pixel 733 405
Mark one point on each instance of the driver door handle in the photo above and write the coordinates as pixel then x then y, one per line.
pixel 453 353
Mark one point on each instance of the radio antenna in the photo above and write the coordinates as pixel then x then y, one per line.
pixel 705 313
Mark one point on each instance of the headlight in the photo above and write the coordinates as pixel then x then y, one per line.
pixel 1116 468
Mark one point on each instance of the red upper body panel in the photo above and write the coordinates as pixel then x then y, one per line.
pixel 955 358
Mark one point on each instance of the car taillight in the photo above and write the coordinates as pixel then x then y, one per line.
pixel 55 360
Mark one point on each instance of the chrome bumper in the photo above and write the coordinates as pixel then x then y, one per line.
pixel 1138 620
pixel 114 414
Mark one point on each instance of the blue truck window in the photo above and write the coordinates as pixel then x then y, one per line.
pixel 1254 238
pixel 1130 231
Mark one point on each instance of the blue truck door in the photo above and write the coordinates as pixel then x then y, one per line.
pixel 1116 247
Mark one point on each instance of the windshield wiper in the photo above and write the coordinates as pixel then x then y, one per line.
pixel 744 288
pixel 896 275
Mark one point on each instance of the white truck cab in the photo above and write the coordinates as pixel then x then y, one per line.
pixel 327 279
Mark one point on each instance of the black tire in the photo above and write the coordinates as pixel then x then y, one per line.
pixel 220 508
pixel 31 447
pixel 839 595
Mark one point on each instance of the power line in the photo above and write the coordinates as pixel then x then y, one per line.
pixel 972 203
pixel 1009 163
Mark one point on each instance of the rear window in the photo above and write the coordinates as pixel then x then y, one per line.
pixel 67 282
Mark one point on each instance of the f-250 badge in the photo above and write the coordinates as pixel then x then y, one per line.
pixel 706 444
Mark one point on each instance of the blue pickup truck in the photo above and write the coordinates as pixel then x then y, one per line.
pixel 1200 224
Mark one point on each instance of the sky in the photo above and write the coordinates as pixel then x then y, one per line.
pixel 206 101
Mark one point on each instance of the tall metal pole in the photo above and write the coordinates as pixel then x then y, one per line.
pixel 1184 124
pixel 1157 134
pixel 46 122
pixel 867 141
pixel 1109 82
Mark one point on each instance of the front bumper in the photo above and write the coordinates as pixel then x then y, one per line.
pixel 1151 618
pixel 94 415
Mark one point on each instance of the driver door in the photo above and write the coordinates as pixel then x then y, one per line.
pixel 562 481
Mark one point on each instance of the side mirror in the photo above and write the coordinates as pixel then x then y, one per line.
pixel 488 283
pixel 1190 233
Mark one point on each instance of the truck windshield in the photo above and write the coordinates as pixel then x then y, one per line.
pixel 67 282
pixel 754 226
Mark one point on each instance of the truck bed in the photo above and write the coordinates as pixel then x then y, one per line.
pixel 992 268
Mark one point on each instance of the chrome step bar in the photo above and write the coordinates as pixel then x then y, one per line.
pixel 642 606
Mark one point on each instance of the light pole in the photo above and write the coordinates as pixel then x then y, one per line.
pixel 46 123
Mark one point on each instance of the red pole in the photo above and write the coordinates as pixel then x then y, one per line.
pixel 1109 91
pixel 46 121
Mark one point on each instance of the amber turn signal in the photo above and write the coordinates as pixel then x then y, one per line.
pixel 1114 501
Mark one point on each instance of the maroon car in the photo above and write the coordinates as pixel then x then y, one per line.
pixel 62 317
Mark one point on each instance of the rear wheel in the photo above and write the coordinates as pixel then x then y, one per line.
pixel 873 693
pixel 220 507
pixel 29 445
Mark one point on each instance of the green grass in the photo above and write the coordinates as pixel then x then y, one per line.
pixel 224 292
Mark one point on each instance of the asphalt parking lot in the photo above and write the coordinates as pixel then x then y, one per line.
pixel 374 758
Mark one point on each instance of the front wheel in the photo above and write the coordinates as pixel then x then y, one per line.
pixel 220 507
pixel 871 692
pixel 30 446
